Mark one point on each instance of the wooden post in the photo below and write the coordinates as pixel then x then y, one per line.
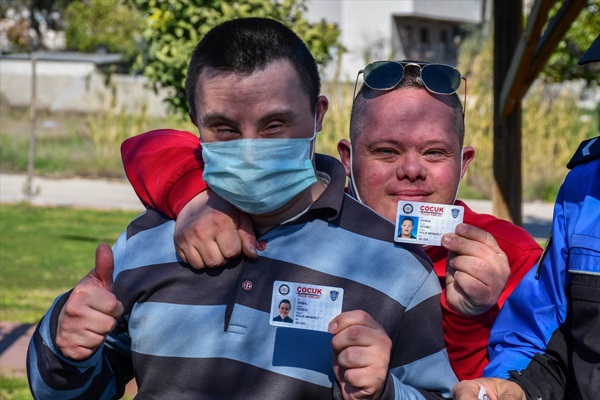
pixel 507 192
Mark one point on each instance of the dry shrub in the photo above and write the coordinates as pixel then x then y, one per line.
pixel 552 126
pixel 336 125
pixel 109 127
pixel 552 130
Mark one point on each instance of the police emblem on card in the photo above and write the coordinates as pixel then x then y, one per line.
pixel 426 223
pixel 304 306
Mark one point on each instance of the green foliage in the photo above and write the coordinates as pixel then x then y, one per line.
pixel 552 126
pixel 552 130
pixel 109 23
pixel 562 65
pixel 174 28
pixel 336 124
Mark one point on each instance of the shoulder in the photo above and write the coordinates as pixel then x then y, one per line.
pixel 150 219
pixel 150 230
pixel 587 151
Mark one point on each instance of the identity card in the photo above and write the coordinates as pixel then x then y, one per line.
pixel 426 223
pixel 304 306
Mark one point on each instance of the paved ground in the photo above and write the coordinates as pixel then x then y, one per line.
pixel 92 193
pixel 103 194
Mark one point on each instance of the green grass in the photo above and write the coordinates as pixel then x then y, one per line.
pixel 14 388
pixel 46 251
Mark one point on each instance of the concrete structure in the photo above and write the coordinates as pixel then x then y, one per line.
pixel 428 30
pixel 68 81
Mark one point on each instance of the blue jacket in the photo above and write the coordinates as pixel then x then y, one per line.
pixel 547 335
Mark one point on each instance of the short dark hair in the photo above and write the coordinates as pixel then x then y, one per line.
pixel 285 301
pixel 408 219
pixel 245 45
pixel 410 79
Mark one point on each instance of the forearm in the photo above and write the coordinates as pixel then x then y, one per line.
pixel 546 374
pixel 165 168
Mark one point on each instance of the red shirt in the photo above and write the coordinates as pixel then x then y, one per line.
pixel 466 336
pixel 165 169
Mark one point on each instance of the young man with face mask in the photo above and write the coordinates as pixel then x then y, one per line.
pixel 406 144
pixel 253 90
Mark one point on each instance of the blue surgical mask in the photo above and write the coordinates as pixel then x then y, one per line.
pixel 259 176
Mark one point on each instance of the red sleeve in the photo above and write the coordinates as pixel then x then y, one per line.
pixel 467 339
pixel 466 336
pixel 521 261
pixel 165 168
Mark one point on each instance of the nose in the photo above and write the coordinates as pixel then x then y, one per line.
pixel 411 168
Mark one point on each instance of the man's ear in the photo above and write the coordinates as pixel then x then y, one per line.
pixel 343 148
pixel 191 115
pixel 468 154
pixel 322 107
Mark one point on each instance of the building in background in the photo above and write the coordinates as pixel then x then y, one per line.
pixel 428 30
pixel 70 81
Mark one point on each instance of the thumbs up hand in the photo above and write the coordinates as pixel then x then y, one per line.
pixel 91 311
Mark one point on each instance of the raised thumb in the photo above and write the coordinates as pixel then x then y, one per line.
pixel 105 266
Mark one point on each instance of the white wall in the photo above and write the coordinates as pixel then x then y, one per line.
pixel 368 25
pixel 74 86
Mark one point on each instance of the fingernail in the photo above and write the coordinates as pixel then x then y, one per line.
pixel 252 247
pixel 332 327
pixel 447 239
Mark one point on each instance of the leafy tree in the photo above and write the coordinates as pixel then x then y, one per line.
pixel 111 24
pixel 562 65
pixel 175 27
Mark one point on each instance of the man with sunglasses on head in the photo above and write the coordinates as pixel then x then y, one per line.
pixel 406 143
pixel 358 329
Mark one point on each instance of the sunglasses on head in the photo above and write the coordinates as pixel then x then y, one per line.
pixel 436 78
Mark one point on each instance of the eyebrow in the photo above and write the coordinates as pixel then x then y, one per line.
pixel 213 119
pixel 284 114
pixel 210 120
